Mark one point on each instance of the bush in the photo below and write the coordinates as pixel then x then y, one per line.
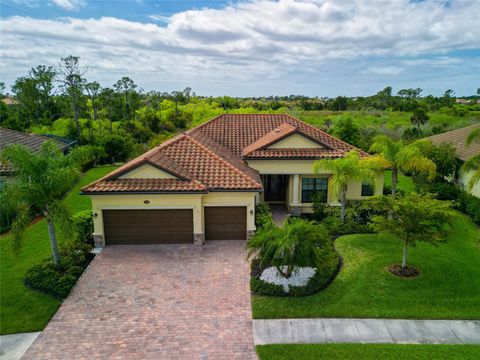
pixel 58 280
pixel 470 205
pixel 263 215
pixel 83 222
pixel 328 265
pixel 387 190
pixel 444 190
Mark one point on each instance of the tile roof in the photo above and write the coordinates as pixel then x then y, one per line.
pixel 145 185
pixel 30 141
pixel 458 139
pixel 275 135
pixel 212 156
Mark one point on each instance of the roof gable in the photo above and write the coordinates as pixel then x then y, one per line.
pixel 147 171
pixel 296 141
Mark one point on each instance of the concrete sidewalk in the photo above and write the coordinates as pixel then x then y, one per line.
pixel 12 347
pixel 315 331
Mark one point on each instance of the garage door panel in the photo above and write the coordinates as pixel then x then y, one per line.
pixel 225 223
pixel 148 226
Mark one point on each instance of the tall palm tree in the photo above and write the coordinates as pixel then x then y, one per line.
pixel 41 181
pixel 473 164
pixel 403 158
pixel 350 167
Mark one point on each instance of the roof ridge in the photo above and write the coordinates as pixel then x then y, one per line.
pixel 269 139
pixel 238 171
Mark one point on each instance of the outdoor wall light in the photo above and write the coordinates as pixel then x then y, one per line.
pixel 251 212
pixel 95 215
pixel 146 202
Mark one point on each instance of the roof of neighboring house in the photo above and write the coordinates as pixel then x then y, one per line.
pixel 31 141
pixel 8 100
pixel 212 156
pixel 458 139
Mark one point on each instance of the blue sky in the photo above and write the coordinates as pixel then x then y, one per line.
pixel 251 48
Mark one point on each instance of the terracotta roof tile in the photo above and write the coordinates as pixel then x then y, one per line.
pixel 209 157
pixel 146 185
pixel 458 139
pixel 276 134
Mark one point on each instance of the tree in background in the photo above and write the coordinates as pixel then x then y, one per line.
pixel 71 80
pixel 346 130
pixel 108 101
pixel 419 117
pixel 41 182
pixel 128 89
pixel 93 92
pixel 402 158
pixel 350 167
pixel 413 218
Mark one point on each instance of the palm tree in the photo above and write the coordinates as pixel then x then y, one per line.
pixel 402 158
pixel 419 117
pixel 473 164
pixel 41 181
pixel 350 167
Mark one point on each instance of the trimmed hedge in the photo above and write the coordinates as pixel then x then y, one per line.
pixel 328 266
pixel 58 280
pixel 263 215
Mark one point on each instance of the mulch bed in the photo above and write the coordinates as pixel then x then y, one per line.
pixel 407 272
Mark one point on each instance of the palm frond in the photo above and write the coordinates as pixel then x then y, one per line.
pixel 473 165
pixel 474 136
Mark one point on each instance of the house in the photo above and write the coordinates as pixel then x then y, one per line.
pixel 458 138
pixel 204 184
pixel 31 141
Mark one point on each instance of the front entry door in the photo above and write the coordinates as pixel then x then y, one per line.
pixel 274 187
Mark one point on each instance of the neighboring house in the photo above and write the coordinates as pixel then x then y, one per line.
pixel 204 184
pixel 458 139
pixel 8 100
pixel 31 141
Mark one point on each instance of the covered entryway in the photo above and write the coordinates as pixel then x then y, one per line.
pixel 125 227
pixel 226 223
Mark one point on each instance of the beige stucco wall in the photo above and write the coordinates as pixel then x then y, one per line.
pixel 196 202
pixel 304 168
pixel 147 171
pixel 295 141
pixel 464 178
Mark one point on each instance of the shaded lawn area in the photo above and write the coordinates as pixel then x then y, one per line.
pixel 448 287
pixel 368 351
pixel 405 183
pixel 24 310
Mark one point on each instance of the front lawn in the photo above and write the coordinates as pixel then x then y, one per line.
pixel 24 310
pixel 448 287
pixel 368 351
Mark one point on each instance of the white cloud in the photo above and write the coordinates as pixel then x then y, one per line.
pixel 69 4
pixel 248 40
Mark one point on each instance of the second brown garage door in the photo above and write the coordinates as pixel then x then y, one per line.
pixel 148 226
pixel 225 223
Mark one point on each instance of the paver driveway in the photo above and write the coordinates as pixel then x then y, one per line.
pixel 156 302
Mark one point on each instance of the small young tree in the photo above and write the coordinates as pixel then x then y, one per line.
pixel 350 167
pixel 413 218
pixel 287 247
pixel 41 181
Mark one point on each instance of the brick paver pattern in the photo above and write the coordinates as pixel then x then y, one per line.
pixel 156 302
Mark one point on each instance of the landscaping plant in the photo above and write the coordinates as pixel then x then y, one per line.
pixel 41 182
pixel 405 158
pixel 287 247
pixel 473 164
pixel 413 218
pixel 350 167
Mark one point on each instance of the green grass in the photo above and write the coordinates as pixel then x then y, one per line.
pixel 448 287
pixel 405 183
pixel 24 310
pixel 368 351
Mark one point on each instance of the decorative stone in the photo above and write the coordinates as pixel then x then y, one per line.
pixel 98 240
pixel 299 277
pixel 198 239
pixel 295 210
pixel 250 234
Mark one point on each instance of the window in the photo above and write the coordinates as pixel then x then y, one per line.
pixel 367 189
pixel 310 186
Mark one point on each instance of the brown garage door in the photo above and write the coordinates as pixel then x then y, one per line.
pixel 225 223
pixel 148 226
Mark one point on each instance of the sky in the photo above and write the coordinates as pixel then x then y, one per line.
pixel 251 48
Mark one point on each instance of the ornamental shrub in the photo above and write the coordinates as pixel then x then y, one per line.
pixel 83 223
pixel 263 215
